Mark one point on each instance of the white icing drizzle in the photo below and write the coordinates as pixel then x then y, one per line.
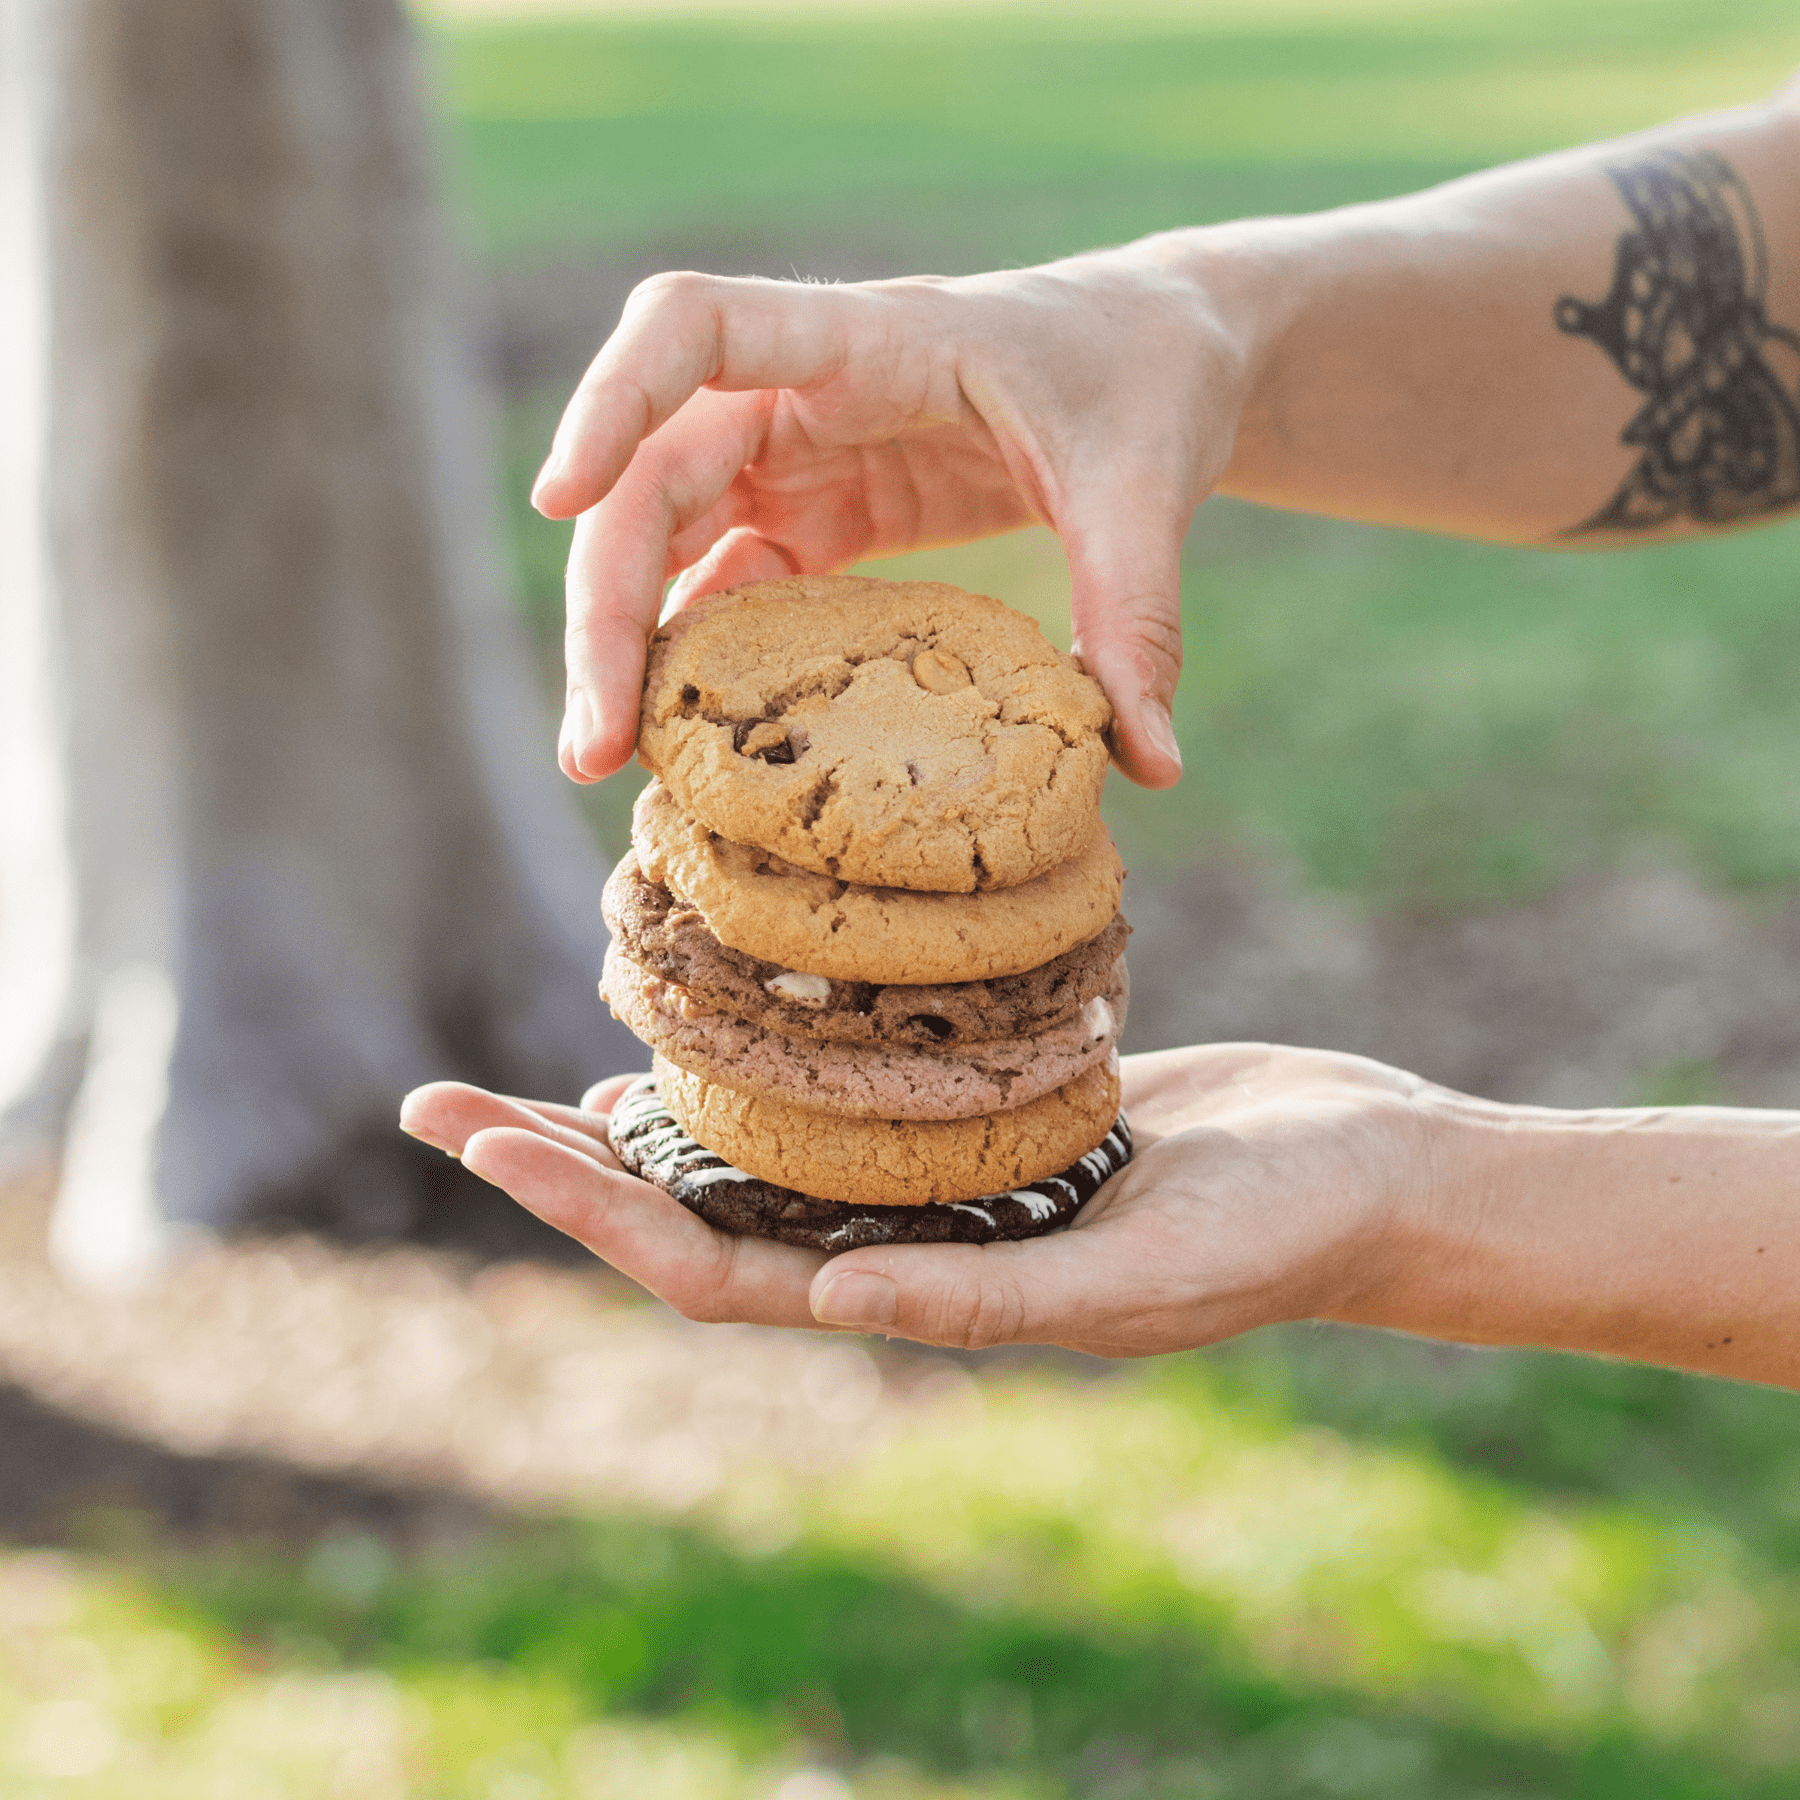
pixel 1040 1206
pixel 981 1212
pixel 706 1177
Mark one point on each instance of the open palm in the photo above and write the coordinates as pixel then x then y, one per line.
pixel 1261 1178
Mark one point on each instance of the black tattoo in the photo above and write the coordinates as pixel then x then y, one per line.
pixel 1719 430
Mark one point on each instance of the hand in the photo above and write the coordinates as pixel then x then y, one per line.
pixel 734 431
pixel 1263 1187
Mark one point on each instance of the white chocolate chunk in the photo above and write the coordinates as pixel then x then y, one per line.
pixel 808 990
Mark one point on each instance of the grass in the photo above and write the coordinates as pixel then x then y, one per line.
pixel 1238 1575
pixel 984 135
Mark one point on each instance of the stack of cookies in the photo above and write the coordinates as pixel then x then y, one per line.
pixel 870 921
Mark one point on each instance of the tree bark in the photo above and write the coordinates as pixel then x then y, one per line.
pixel 317 844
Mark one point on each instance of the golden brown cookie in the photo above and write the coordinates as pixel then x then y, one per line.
pixel 756 903
pixel 883 1162
pixel 892 733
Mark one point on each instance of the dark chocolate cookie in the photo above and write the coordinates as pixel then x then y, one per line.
pixel 652 1145
pixel 667 936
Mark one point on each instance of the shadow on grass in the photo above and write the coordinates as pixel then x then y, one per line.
pixel 653 1618
pixel 71 1483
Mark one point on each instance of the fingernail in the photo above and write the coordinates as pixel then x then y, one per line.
pixel 1159 728
pixel 578 726
pixel 431 1143
pixel 866 1301
pixel 551 471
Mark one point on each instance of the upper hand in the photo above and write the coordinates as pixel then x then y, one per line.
pixel 737 430
pixel 1263 1188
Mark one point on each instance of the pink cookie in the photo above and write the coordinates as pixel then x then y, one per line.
pixel 862 1080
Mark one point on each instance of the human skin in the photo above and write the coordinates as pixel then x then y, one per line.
pixel 1444 361
pixel 1268 1184
pixel 1398 362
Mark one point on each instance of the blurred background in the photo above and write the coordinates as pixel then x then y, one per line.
pixel 456 1514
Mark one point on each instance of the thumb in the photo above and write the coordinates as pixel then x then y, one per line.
pixel 971 1296
pixel 740 556
pixel 1125 574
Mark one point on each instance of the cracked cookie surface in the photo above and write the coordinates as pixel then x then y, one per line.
pixel 862 1080
pixel 757 903
pixel 670 938
pixel 892 734
pixel 894 1162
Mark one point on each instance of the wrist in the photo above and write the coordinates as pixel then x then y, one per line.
pixel 1656 1235
pixel 1241 288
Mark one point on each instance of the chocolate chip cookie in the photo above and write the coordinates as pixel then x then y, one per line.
pixel 892 734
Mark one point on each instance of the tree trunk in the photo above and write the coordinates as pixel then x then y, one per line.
pixel 318 849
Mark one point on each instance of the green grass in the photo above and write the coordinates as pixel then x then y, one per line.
pixel 1414 718
pixel 990 134
pixel 1357 1569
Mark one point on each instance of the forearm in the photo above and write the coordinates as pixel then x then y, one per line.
pixel 1667 1236
pixel 1448 360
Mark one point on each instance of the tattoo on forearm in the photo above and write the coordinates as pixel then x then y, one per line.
pixel 1719 430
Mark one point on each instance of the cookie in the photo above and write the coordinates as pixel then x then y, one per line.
pixel 653 1146
pixel 884 1162
pixel 890 733
pixel 816 925
pixel 670 938
pixel 868 1081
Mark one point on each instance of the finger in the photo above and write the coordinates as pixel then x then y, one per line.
pixel 617 562
pixel 603 1096
pixel 573 1118
pixel 679 333
pixel 1123 542
pixel 702 1273
pixel 737 558
pixel 446 1114
pixel 1049 1290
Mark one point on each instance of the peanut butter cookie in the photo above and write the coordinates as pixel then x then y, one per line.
pixel 888 1162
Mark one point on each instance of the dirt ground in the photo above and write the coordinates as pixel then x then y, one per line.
pixel 284 1388
pixel 1634 985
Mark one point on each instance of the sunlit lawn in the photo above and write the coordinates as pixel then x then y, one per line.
pixel 1267 1578
pixel 1288 1569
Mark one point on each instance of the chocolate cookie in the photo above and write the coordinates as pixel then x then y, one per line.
pixel 756 903
pixel 669 937
pixel 891 733
pixel 651 1143
pixel 869 1081
pixel 894 1162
